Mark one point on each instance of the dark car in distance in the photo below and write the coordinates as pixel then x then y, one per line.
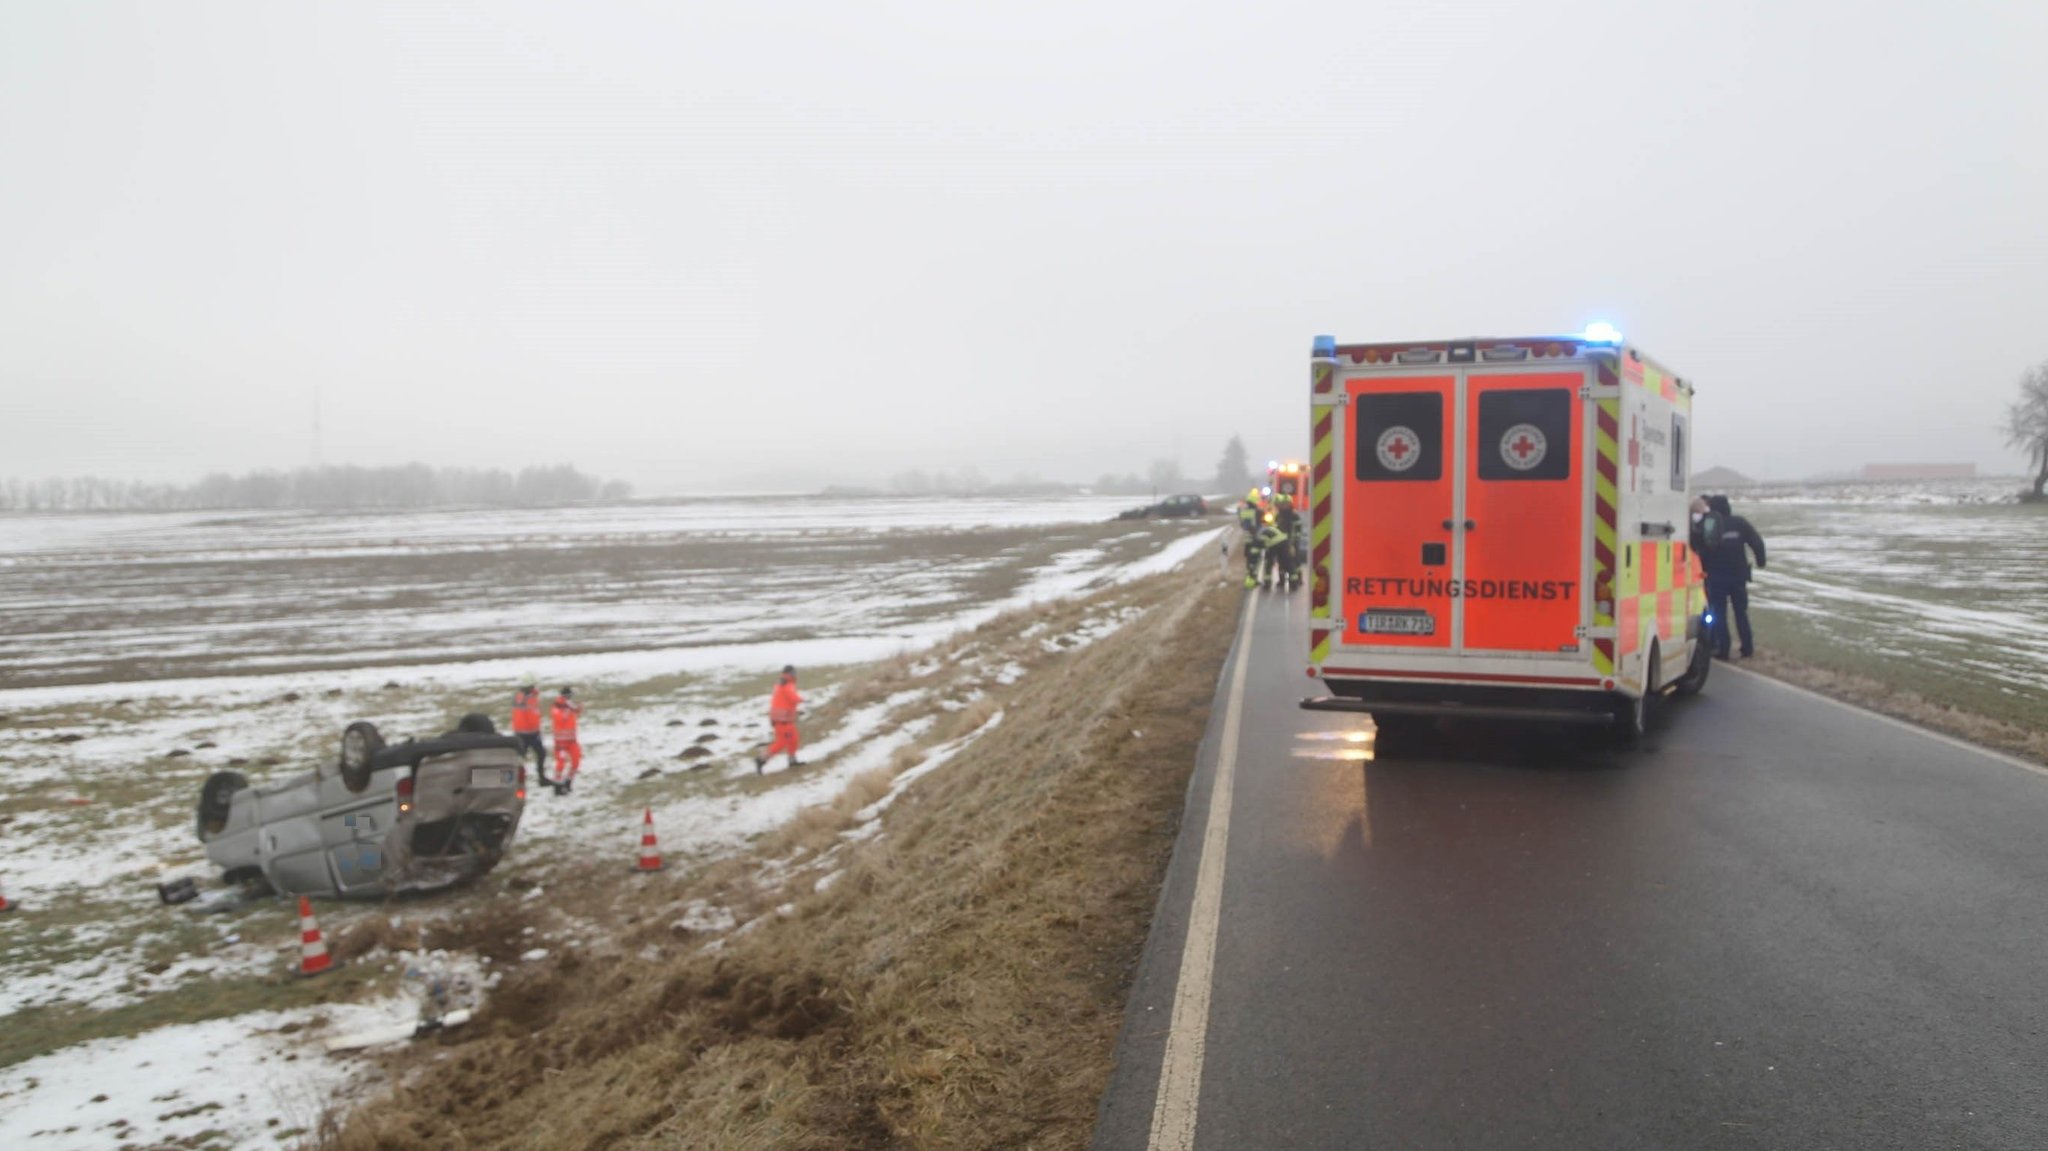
pixel 1172 507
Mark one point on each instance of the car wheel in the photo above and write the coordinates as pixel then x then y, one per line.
pixel 360 743
pixel 250 880
pixel 1695 677
pixel 1395 734
pixel 1636 715
pixel 214 797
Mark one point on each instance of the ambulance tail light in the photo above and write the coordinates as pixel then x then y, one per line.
pixel 1603 598
pixel 405 795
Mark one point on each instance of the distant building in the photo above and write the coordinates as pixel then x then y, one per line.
pixel 1716 478
pixel 1919 471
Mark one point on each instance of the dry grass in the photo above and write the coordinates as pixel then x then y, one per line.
pixel 960 986
pixel 1903 703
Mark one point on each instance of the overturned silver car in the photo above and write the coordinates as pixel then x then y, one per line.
pixel 413 816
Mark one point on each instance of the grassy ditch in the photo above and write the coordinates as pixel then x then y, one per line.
pixel 1931 613
pixel 955 980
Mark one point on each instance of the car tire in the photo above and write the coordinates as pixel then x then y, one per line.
pixel 1395 734
pixel 215 796
pixel 1695 677
pixel 361 743
pixel 1634 717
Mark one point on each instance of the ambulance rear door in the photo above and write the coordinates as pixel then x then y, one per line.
pixel 1464 519
pixel 1522 542
pixel 1399 499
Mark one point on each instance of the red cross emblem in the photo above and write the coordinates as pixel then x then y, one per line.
pixel 1398 449
pixel 1523 446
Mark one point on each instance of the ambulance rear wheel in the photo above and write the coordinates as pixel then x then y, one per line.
pixel 1394 734
pixel 1695 677
pixel 1634 716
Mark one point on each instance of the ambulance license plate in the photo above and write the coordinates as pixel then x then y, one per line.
pixel 1397 622
pixel 493 777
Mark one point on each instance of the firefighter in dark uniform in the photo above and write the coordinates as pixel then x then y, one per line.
pixel 1288 521
pixel 1729 540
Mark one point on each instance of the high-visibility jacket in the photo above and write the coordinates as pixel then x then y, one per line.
pixel 563 714
pixel 526 711
pixel 783 704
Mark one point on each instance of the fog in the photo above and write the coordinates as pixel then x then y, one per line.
pixel 711 246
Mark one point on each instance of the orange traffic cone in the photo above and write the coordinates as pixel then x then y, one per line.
pixel 313 957
pixel 650 855
pixel 4 905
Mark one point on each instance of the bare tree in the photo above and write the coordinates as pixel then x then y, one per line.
pixel 2026 424
pixel 1234 470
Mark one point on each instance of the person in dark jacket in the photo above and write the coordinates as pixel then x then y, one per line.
pixel 1726 558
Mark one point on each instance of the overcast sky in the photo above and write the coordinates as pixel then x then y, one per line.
pixel 699 245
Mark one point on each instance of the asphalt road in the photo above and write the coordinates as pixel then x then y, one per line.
pixel 1782 923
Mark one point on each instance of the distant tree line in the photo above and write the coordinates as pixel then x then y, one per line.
pixel 1233 474
pixel 404 486
pixel 1163 477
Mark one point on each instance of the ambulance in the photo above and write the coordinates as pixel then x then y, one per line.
pixel 1498 530
pixel 1289 479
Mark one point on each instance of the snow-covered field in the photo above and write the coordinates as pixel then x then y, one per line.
pixel 249 641
pixel 1942 581
pixel 97 599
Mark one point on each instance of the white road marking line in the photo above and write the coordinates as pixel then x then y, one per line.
pixel 1187 1035
pixel 1916 729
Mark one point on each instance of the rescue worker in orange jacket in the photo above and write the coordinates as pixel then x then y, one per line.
pixel 526 728
pixel 782 713
pixel 568 752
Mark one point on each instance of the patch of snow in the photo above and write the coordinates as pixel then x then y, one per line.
pixel 231 1075
pixel 938 758
pixel 703 917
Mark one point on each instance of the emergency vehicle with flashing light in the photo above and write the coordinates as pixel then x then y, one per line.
pixel 1499 529
pixel 1290 479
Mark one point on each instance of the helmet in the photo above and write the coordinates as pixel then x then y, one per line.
pixel 1286 501
pixel 1252 494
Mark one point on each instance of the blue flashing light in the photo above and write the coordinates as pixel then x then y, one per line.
pixel 1324 346
pixel 1708 619
pixel 1601 332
